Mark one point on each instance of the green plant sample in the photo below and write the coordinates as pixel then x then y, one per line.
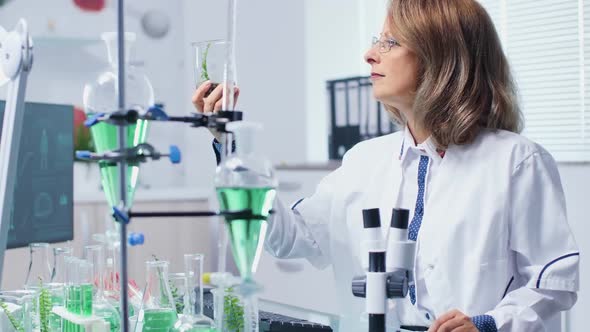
pixel 204 73
pixel 45 306
pixel 233 311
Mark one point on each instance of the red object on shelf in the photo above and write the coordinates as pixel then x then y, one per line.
pixel 90 5
pixel 81 133
pixel 79 116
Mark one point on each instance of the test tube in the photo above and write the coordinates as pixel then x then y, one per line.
pixel 72 303
pixel 86 279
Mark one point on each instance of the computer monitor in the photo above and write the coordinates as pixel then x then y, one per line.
pixel 43 207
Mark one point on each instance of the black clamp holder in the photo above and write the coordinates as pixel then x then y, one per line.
pixel 123 216
pixel 137 154
pixel 216 120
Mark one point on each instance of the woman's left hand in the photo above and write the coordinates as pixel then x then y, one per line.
pixel 453 321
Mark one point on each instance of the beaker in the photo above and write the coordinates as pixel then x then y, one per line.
pixel 178 290
pixel 209 62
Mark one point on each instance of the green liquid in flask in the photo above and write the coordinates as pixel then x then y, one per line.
pixel 105 138
pixel 158 320
pixel 246 235
pixel 109 314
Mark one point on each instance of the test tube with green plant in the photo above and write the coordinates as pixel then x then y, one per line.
pixel 209 63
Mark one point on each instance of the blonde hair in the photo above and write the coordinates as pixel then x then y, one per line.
pixel 464 80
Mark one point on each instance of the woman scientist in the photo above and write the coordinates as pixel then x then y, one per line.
pixel 494 248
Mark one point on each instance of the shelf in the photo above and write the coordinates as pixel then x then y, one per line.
pixel 45 41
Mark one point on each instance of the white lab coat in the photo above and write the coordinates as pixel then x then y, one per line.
pixel 494 224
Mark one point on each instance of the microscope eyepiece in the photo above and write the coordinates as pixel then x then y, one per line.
pixel 371 218
pixel 400 218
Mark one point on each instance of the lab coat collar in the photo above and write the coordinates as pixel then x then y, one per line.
pixel 427 148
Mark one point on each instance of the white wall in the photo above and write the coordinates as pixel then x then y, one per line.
pixel 270 54
pixel 68 53
pixel 337 34
pixel 270 66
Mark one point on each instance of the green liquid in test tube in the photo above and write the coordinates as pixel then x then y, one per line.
pixel 74 305
pixel 86 299
pixel 57 299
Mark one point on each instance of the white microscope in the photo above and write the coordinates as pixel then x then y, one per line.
pixel 390 269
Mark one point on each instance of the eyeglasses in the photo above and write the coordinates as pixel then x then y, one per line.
pixel 384 45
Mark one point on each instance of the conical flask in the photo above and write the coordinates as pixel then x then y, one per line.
pixel 158 307
pixel 101 96
pixel 39 271
pixel 59 265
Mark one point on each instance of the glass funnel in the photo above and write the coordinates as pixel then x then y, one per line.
pixel 246 189
pixel 101 307
pixel 158 307
pixel 101 96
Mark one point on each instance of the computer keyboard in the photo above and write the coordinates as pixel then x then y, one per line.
pixel 271 322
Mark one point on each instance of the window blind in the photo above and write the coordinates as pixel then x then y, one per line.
pixel 548 45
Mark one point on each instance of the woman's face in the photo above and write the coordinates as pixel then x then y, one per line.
pixel 394 71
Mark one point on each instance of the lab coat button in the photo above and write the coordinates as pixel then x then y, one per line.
pixel 427 316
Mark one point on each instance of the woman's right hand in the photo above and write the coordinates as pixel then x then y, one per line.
pixel 207 101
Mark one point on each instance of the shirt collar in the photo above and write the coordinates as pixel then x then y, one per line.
pixel 426 148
